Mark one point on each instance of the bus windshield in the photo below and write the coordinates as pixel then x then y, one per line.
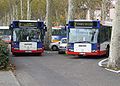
pixel 26 35
pixel 60 32
pixel 83 35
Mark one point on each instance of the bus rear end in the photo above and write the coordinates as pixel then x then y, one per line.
pixel 83 38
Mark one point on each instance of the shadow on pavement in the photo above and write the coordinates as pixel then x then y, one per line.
pixel 27 55
pixel 87 57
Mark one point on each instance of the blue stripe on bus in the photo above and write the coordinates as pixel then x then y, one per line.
pixel 98 24
pixel 70 45
pixel 94 46
pixel 39 45
pixel 55 37
pixel 16 44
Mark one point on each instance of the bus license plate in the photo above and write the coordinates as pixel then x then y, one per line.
pixel 28 51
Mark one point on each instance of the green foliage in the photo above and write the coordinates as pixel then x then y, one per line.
pixel 4 55
pixel 38 9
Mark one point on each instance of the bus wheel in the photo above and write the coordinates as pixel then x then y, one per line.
pixel 59 52
pixel 15 54
pixel 54 48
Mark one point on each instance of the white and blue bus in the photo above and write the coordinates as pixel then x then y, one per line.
pixel 5 34
pixel 88 38
pixel 58 32
pixel 27 36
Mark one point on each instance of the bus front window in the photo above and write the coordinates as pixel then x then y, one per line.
pixel 83 35
pixel 26 35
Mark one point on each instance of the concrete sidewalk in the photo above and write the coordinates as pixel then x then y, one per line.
pixel 7 78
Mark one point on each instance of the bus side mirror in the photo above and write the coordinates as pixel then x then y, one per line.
pixel 10 26
pixel 66 26
pixel 45 29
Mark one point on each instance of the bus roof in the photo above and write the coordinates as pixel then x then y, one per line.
pixel 4 27
pixel 28 20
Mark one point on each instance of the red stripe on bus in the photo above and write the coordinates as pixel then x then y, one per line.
pixel 25 51
pixel 87 53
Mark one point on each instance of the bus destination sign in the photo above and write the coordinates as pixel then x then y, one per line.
pixel 84 24
pixel 93 24
pixel 27 24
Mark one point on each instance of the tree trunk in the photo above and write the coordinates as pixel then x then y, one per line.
pixel 92 14
pixel 8 18
pixel 88 15
pixel 103 10
pixel 71 9
pixel 28 9
pixel 13 10
pixel 114 57
pixel 48 23
pixel 21 8
pixel 16 11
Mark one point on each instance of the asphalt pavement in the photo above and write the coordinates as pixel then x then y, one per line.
pixel 53 69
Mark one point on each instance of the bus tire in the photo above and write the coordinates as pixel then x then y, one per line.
pixel 59 52
pixel 54 48
pixel 14 54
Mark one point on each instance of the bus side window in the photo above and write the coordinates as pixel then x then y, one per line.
pixel 98 38
pixel 105 34
pixel 102 35
pixel 109 33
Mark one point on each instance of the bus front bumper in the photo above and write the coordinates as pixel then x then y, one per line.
pixel 27 51
pixel 97 53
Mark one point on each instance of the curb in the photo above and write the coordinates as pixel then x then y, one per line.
pixel 103 62
pixel 18 84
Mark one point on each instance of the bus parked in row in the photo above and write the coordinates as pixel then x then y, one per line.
pixel 88 38
pixel 5 34
pixel 58 32
pixel 27 36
